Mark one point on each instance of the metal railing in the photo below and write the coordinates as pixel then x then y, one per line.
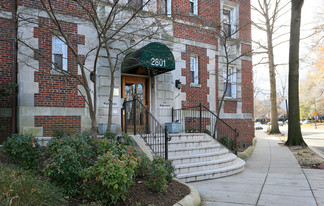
pixel 139 121
pixel 201 119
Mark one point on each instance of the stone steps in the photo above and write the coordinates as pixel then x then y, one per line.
pixel 180 151
pixel 212 174
pixel 198 156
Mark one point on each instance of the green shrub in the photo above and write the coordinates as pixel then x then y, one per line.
pixel 58 133
pixel 158 173
pixel 67 157
pixel 158 176
pixel 25 188
pixel 109 178
pixel 229 143
pixel 144 166
pixel 110 144
pixel 110 135
pixel 23 150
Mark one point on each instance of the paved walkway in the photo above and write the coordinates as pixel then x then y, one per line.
pixel 272 177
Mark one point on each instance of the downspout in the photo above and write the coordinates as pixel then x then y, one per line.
pixel 15 67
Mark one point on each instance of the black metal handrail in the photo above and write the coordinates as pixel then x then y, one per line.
pixel 140 120
pixel 201 119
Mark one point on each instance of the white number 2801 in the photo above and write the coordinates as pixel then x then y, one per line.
pixel 158 62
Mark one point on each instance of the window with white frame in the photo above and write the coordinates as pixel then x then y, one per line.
pixel 230 81
pixel 194 78
pixel 193 6
pixel 229 22
pixel 59 54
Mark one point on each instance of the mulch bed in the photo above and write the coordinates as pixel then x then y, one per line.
pixel 307 158
pixel 141 195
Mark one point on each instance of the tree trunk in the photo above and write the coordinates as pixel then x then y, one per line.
pixel 294 131
pixel 272 75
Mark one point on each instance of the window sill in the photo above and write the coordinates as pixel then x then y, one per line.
pixel 231 99
pixel 56 72
pixel 192 14
pixel 195 85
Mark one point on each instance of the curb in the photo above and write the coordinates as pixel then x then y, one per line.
pixel 193 199
pixel 317 151
pixel 247 153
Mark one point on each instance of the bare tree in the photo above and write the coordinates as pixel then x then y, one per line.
pixel 112 22
pixel 294 132
pixel 270 11
pixel 231 55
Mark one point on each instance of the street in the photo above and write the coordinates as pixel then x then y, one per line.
pixel 313 137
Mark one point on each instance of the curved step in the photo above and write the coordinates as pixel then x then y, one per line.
pixel 187 136
pixel 194 150
pixel 208 165
pixel 214 173
pixel 189 143
pixel 183 159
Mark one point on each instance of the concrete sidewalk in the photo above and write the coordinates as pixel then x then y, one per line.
pixel 272 177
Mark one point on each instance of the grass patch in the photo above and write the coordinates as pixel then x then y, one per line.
pixel 20 187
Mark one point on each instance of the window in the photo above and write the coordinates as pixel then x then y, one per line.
pixel 194 7
pixel 59 54
pixel 162 6
pixel 229 21
pixel 194 79
pixel 231 83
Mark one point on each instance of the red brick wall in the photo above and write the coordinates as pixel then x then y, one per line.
pixel 66 7
pixel 230 106
pixel 193 123
pixel 50 123
pixel 56 90
pixel 195 95
pixel 6 73
pixel 245 128
pixel 5 59
pixel 194 33
pixel 247 87
pixel 245 21
pixel 207 12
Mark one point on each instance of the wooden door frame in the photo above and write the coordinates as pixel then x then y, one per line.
pixel 146 93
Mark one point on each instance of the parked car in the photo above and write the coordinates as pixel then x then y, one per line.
pixel 258 126
pixel 307 121
pixel 280 123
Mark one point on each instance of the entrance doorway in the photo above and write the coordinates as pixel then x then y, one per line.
pixel 139 88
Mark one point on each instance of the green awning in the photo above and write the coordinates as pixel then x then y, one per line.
pixel 152 59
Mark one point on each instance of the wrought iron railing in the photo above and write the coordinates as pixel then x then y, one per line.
pixel 201 119
pixel 139 121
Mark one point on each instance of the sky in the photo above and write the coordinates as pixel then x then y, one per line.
pixel 312 14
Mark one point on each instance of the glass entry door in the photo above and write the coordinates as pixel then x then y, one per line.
pixel 135 87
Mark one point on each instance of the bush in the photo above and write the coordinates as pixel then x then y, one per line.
pixel 144 166
pixel 110 143
pixel 25 188
pixel 23 150
pixel 109 178
pixel 229 143
pixel 67 157
pixel 158 173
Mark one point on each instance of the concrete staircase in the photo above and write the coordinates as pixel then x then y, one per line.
pixel 197 156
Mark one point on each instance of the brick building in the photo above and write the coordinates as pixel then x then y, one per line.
pixel 207 43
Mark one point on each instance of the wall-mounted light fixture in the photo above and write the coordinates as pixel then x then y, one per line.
pixel 92 76
pixel 178 83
